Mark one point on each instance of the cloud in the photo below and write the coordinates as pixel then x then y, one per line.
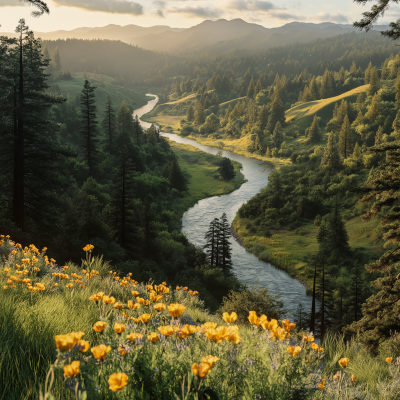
pixel 196 12
pixel 286 16
pixel 108 6
pixel 326 17
pixel 251 5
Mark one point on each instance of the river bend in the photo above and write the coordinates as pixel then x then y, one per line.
pixel 195 222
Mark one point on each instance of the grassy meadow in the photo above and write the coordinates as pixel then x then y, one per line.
pixel 85 332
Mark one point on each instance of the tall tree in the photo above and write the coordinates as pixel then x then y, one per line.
pixel 190 113
pixel 338 239
pixel 374 83
pixel 89 126
pixel 138 137
pixel 124 118
pixel 276 113
pixel 345 138
pixel 212 242
pixel 251 89
pixel 174 174
pixel 199 114
pixel 331 157
pixel 225 249
pixel 56 60
pixel 277 136
pixel 109 123
pixel 314 132
pixel 226 170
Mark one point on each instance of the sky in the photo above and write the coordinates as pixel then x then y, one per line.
pixel 70 14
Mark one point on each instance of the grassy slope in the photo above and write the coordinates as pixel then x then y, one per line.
pixel 105 88
pixel 200 168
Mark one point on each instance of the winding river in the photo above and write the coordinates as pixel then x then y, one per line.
pixel 195 222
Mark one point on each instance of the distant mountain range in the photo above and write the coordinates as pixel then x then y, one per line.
pixel 211 36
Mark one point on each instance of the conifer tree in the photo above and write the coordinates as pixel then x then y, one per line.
pixel 212 242
pixel 138 136
pixel 368 73
pixel 397 87
pixel 109 123
pixel 379 136
pixel 331 157
pixel 197 84
pixel 374 83
pixel 276 113
pixel 89 126
pixel 338 239
pixel 360 101
pixel 263 117
pixel 46 56
pixel 124 118
pixel 353 69
pixel 224 247
pixel 374 109
pixel 122 201
pixel 56 60
pixel 174 174
pixel 357 155
pixel 313 89
pixel 258 87
pixel 268 153
pixel 314 132
pixel 277 137
pixel 251 89
pixel 199 115
pixel 345 138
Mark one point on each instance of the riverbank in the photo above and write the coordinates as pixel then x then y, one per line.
pixel 200 171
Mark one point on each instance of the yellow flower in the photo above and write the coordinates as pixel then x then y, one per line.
pixel 119 328
pixel 389 360
pixel 145 318
pixel 308 338
pixel 118 306
pixel 185 288
pixel 321 349
pixel 210 360
pixel 72 369
pixel 140 300
pixel 70 285
pixel 178 288
pixel 176 310
pixel 122 350
pixel 229 318
pixel 201 370
pixel 108 299
pixel 133 336
pixel 321 385
pixel 314 346
pixel 287 325
pixel 294 350
pixel 166 330
pixel 149 287
pixel 253 317
pixel 216 335
pixel 133 306
pixel 84 346
pixel 135 293
pixel 117 381
pixel 353 379
pixel 160 307
pixel 88 247
pixel 343 362
pixel 208 325
pixel 234 338
pixel 99 326
pixel 100 352
pixel 153 337
pixel 64 342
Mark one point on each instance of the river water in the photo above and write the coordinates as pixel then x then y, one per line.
pixel 195 222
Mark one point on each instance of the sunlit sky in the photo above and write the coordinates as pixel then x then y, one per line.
pixel 70 14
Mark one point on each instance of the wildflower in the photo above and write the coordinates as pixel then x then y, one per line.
pixel 149 287
pixel 294 350
pixel 253 317
pixel 84 346
pixel 314 346
pixel 321 385
pixel 185 288
pixel 135 293
pixel 14 252
pixel 118 306
pixel 134 336
pixel 176 310
pixel 210 360
pixel 70 285
pixel 44 249
pixel 166 330
pixel 337 376
pixel 153 337
pixel 117 381
pixel 201 370
pixel 279 333
pixel 133 306
pixel 99 326
pixel 343 362
pixel 122 350
pixel 353 379
pixel 214 335
pixel 178 288
pixel 72 369
pixel 160 307
pixel 321 349
pixel 229 318
pixel 308 338
pixel 145 318
pixel 88 247
pixel 109 299
pixel 100 352
pixel 64 342
pixel 208 325
pixel 287 325
pixel 119 328
pixel 140 300
pixel 389 360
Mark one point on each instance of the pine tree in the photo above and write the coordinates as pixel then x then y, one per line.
pixel 89 126
pixel 212 242
pixel 174 174
pixel 258 87
pixel 251 89
pixel 357 155
pixel 268 153
pixel 374 83
pixel 313 89
pixel 353 69
pixel 124 118
pixel 197 84
pixel 338 239
pixel 137 132
pixel 263 117
pixel 345 138
pixel 314 132
pixel 226 170
pixel 31 156
pixel 331 157
pixel 224 247
pixel 379 136
pixel 47 59
pixel 360 101
pixel 56 60
pixel 199 115
pixel 368 73
pixel 277 136
pixel 122 201
pixel 374 109
pixel 397 87
pixel 109 123
pixel 276 113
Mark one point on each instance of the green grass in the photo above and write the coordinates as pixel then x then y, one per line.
pixel 287 249
pixel 133 98
pixel 201 169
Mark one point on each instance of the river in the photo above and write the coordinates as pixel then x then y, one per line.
pixel 195 222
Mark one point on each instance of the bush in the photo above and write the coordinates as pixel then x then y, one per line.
pixel 252 298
